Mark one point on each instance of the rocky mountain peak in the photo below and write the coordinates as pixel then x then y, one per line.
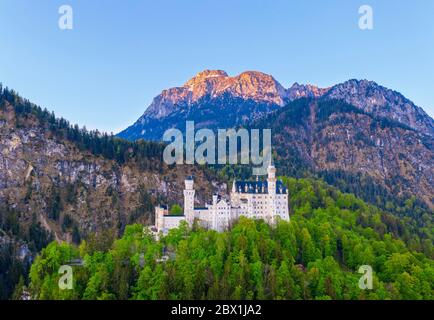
pixel 297 91
pixel 258 86
pixel 383 102
pixel 215 94
pixel 204 76
pixel 249 85
pixel 253 85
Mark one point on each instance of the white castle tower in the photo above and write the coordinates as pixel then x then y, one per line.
pixel 271 192
pixel 189 193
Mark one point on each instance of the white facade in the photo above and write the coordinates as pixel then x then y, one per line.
pixel 267 200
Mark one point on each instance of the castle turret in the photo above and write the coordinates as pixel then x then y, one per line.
pixel 271 192
pixel 271 179
pixel 214 199
pixel 189 193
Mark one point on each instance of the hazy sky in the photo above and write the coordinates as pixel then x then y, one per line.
pixel 120 54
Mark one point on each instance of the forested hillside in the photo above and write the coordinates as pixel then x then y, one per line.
pixel 65 183
pixel 314 256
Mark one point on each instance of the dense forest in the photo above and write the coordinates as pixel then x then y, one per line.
pixel 315 256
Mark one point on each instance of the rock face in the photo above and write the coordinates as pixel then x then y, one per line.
pixel 298 91
pixel 213 99
pixel 37 167
pixel 383 102
pixel 253 85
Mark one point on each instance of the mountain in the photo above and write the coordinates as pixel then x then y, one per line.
pixel 213 99
pixel 359 135
pixel 380 101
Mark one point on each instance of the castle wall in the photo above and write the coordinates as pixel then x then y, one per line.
pixel 171 222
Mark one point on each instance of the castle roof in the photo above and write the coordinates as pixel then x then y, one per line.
pixel 258 187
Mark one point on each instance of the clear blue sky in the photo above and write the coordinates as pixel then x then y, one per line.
pixel 120 54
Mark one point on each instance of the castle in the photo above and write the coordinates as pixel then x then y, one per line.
pixel 267 200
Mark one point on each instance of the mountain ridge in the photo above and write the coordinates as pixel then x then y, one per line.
pixel 212 86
